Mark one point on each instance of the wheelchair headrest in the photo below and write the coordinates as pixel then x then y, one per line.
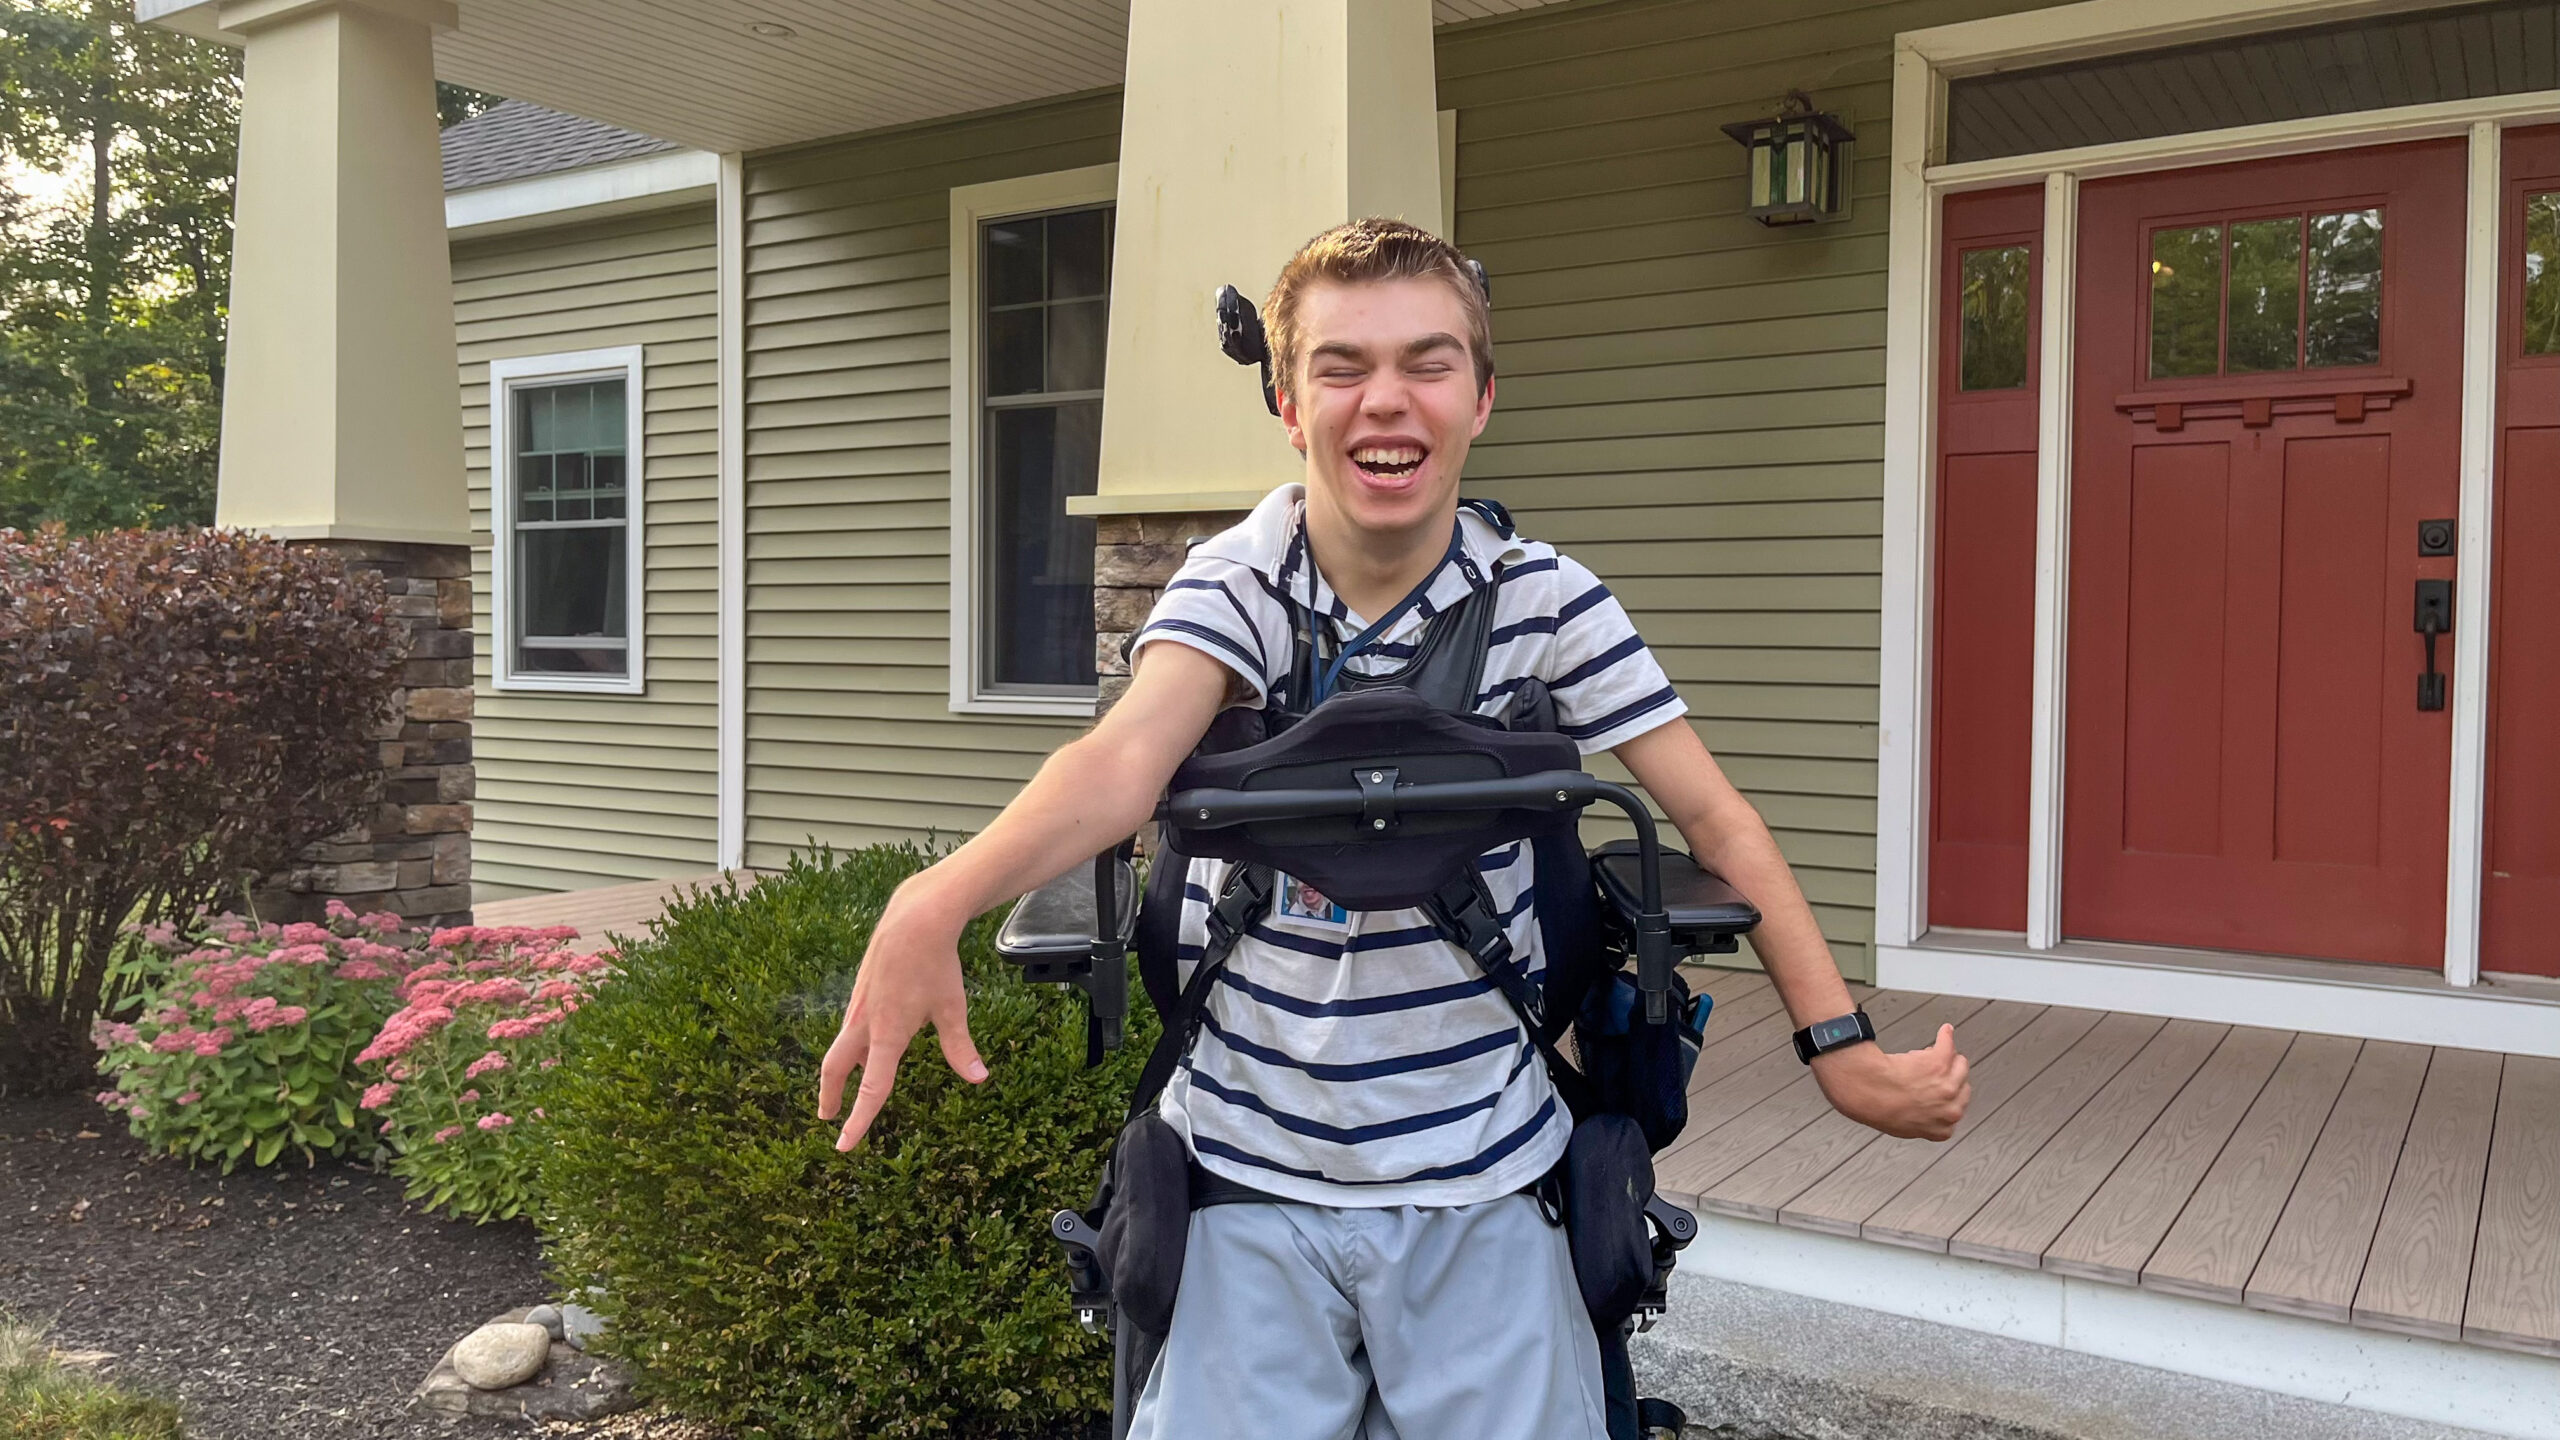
pixel 1368 734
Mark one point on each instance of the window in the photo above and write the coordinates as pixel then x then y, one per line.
pixel 564 448
pixel 1995 283
pixel 2304 293
pixel 1031 274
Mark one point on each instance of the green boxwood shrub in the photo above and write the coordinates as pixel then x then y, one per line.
pixel 752 1274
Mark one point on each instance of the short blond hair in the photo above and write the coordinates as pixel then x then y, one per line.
pixel 1361 251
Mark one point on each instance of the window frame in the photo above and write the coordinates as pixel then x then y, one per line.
pixel 506 376
pixel 971 207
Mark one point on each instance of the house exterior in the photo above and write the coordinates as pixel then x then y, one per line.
pixel 2116 549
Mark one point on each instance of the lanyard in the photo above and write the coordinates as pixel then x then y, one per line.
pixel 1330 675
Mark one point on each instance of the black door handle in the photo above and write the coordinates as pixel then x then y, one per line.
pixel 2434 618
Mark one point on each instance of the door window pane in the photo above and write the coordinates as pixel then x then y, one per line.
pixel 2344 323
pixel 1993 339
pixel 2542 274
pixel 1046 293
pixel 2186 301
pixel 2266 294
pixel 570 546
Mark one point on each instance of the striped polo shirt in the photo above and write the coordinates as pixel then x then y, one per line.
pixel 1358 1059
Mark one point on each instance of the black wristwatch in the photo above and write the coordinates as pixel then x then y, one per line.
pixel 1825 1036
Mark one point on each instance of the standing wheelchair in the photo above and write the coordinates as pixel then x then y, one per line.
pixel 1384 801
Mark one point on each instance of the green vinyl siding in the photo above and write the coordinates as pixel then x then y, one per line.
pixel 601 789
pixel 1690 402
pixel 850 735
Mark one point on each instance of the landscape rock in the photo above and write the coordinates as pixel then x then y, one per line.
pixel 548 1317
pixel 580 1324
pixel 572 1386
pixel 497 1356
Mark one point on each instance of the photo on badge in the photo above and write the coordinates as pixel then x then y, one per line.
pixel 1302 901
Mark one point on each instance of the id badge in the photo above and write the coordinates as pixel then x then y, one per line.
pixel 1306 904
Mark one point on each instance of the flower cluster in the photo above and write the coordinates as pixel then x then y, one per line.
pixel 480 1020
pixel 244 1041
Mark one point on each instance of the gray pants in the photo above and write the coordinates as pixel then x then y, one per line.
pixel 1305 1322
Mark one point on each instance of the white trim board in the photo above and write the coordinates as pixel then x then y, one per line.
pixel 622 362
pixel 2374 1002
pixel 972 205
pixel 648 182
pixel 2432 1380
pixel 729 223
pixel 1924 60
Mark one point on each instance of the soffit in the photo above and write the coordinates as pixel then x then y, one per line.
pixel 694 72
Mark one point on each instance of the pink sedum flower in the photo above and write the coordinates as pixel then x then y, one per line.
pixel 379 1095
pixel 446 1133
pixel 495 1121
pixel 494 1060
pixel 191 1097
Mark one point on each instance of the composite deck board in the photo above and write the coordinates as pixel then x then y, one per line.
pixel 1757 1024
pixel 1757 1190
pixel 600 911
pixel 2216 1240
pixel 1713 1154
pixel 1843 1199
pixel 2515 1268
pixel 2122 1224
pixel 2316 1255
pixel 1946 1195
pixel 2016 1224
pixel 1773 1070
pixel 2421 1263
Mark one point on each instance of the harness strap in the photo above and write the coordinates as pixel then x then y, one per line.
pixel 1463 912
pixel 1240 905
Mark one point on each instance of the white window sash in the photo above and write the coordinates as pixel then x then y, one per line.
pixel 971 207
pixel 622 362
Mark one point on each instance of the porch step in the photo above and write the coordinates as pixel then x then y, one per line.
pixel 1754 1364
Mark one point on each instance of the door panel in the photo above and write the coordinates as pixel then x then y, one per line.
pixel 1984 648
pixel 2520 891
pixel 2266 399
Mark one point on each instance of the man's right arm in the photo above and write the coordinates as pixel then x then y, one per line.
pixel 1089 795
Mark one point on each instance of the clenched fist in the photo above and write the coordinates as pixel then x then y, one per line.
pixel 1916 1094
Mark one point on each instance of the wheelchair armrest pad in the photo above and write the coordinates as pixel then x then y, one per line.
pixel 1702 907
pixel 1055 922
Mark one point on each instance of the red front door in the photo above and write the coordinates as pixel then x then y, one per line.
pixel 2266 404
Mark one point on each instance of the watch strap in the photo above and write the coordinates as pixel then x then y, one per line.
pixel 1824 1036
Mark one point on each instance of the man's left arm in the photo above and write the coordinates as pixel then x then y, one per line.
pixel 1916 1093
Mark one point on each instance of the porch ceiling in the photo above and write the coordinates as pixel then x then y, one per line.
pixel 697 71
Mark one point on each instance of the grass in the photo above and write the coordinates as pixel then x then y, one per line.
pixel 42 1398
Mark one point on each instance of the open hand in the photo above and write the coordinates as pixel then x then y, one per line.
pixel 1916 1094
pixel 910 975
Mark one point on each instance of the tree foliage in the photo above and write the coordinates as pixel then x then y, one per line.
pixel 115 246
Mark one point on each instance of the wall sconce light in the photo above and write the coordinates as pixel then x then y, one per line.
pixel 1799 163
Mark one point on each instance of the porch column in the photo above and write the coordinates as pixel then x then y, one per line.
pixel 340 424
pixel 1246 128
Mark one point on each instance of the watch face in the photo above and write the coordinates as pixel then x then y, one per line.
pixel 1835 1032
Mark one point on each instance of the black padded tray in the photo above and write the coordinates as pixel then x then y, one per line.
pixel 1055 922
pixel 1704 910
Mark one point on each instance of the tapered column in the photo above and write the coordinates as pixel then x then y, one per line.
pixel 339 420
pixel 1247 127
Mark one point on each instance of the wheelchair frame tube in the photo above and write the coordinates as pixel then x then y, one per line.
pixel 1549 790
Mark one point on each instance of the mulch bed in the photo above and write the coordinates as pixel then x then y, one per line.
pixel 286 1304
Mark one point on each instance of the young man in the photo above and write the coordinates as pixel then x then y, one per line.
pixel 1355 1065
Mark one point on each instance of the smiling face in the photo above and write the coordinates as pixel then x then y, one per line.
pixel 1384 403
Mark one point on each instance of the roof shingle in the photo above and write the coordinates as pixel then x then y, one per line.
pixel 515 139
